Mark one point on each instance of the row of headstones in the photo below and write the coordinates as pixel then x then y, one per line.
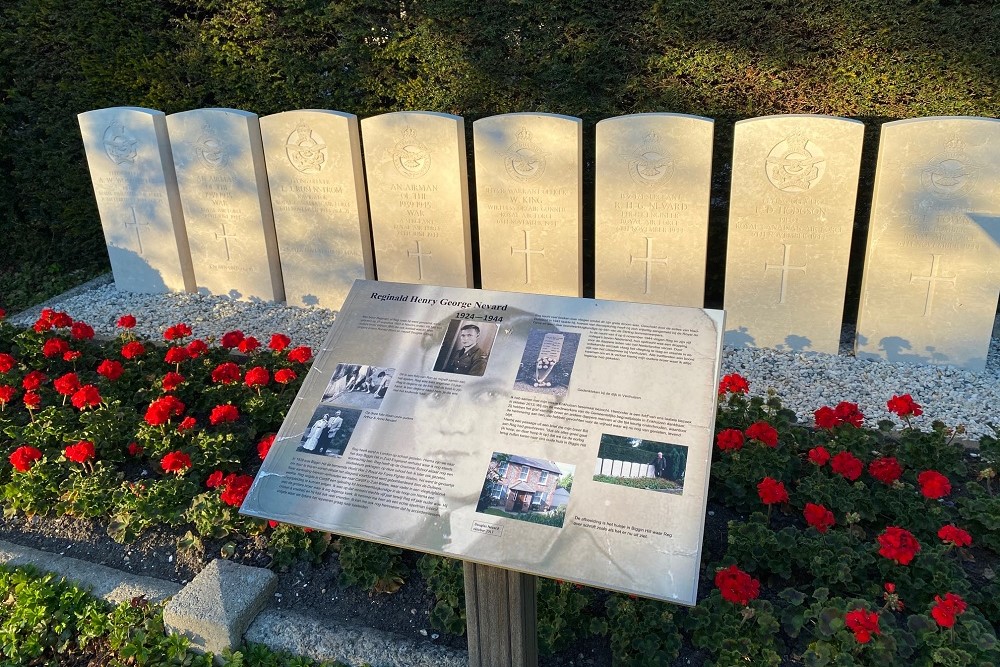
pixel 277 208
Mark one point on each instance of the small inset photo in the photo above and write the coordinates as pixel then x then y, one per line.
pixel 526 489
pixel 358 386
pixel 329 431
pixel 466 347
pixel 547 362
pixel 641 464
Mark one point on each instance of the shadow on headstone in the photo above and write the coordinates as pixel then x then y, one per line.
pixel 140 272
pixel 739 338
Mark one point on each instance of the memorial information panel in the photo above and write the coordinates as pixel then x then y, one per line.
pixel 318 197
pixel 508 429
pixel 932 270
pixel 653 181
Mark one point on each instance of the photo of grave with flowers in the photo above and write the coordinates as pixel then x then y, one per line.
pixel 827 543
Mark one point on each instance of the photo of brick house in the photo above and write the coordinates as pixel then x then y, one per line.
pixel 522 484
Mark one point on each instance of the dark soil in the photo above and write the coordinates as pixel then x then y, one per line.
pixel 305 588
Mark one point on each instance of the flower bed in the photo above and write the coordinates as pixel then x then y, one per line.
pixel 847 545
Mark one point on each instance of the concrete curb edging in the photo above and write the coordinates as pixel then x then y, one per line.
pixel 225 605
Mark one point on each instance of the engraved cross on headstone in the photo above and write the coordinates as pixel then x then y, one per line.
pixel 648 260
pixel 225 237
pixel 135 223
pixel 785 269
pixel 527 252
pixel 932 281
pixel 419 254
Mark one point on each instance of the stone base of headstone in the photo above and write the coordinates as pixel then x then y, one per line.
pixel 501 617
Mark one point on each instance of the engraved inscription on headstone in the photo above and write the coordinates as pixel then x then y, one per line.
pixel 653 178
pixel 136 190
pixel 318 196
pixel 791 215
pixel 932 269
pixel 529 197
pixel 417 177
pixel 227 207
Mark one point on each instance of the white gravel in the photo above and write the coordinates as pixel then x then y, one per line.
pixel 803 381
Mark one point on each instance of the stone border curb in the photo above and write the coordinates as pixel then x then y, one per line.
pixel 210 602
pixel 34 311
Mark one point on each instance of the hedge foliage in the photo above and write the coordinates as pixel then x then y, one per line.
pixel 872 59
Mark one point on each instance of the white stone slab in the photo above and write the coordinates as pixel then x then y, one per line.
pixel 529 199
pixel 418 191
pixel 227 208
pixel 932 270
pixel 128 152
pixel 651 196
pixel 791 215
pixel 318 197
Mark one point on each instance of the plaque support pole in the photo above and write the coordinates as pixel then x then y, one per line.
pixel 501 617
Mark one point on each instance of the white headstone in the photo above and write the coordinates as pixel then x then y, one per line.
pixel 128 152
pixel 652 186
pixel 529 198
pixel 932 271
pixel 791 215
pixel 418 191
pixel 318 196
pixel 227 208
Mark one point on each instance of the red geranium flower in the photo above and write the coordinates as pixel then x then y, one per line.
pixel 179 330
pixel 235 489
pixel 33 380
pixel 286 375
pixel 82 331
pixel 134 449
pixel 258 376
pixel 955 535
pixel 126 321
pixel 248 345
pixel 172 380
pixel 176 355
pixel 223 414
pixel 196 348
pixel 67 384
pixel 32 400
pixel 24 457
pixel 175 462
pixel 848 413
pixel 214 479
pixel 61 320
pixel 86 396
pixel 110 369
pixel 885 469
pixel 904 406
pixel 737 586
pixel 133 349
pixel 825 417
pixel 847 465
pixel 898 544
pixel 162 409
pixel 731 438
pixel 264 446
pixel 819 456
pixel 300 354
pixel 54 347
pixel 946 610
pixel 81 452
pixel 763 432
pixel 819 517
pixel 226 373
pixel 6 393
pixel 71 355
pixel 771 491
pixel 863 624
pixel 279 342
pixel 734 383
pixel 186 424
pixel 933 485
pixel 7 362
pixel 231 339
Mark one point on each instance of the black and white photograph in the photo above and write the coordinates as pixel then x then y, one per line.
pixel 466 347
pixel 641 464
pixel 547 362
pixel 358 386
pixel 329 431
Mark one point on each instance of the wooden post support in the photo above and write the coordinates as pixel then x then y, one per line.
pixel 501 617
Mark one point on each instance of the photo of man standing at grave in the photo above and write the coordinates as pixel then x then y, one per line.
pixel 641 464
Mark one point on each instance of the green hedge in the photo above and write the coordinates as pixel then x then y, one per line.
pixel 876 60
